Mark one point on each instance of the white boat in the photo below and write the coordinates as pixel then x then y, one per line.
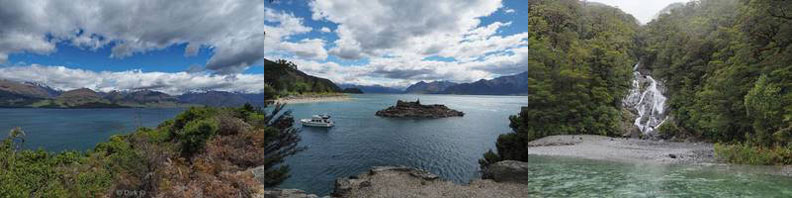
pixel 318 121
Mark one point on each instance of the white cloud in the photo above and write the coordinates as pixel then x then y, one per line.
pixel 509 10
pixel 289 25
pixel 137 27
pixel 641 10
pixel 307 48
pixel 64 78
pixel 326 30
pixel 396 37
pixel 376 28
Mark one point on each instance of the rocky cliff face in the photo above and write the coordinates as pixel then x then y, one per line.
pixel 415 109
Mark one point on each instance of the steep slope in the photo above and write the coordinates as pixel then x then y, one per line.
pixel 284 76
pixel 16 94
pixel 504 85
pixel 429 88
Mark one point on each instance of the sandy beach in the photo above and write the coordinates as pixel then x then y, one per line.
pixel 312 98
pixel 640 151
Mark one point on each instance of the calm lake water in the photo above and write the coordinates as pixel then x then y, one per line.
pixel 449 147
pixel 78 129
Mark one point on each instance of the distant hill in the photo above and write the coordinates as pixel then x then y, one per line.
pixel 78 98
pixel 221 98
pixel 284 76
pixel 140 97
pixel 13 94
pixel 429 88
pixel 504 85
pixel 372 88
pixel 33 95
pixel 353 90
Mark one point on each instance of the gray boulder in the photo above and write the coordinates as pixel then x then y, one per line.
pixel 507 171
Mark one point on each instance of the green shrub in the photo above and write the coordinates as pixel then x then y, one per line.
pixel 744 153
pixel 194 135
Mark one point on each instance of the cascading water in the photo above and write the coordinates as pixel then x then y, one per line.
pixel 646 100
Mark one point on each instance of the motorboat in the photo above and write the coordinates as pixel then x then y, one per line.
pixel 318 121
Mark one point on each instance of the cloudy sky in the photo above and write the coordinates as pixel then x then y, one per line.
pixel 399 42
pixel 643 10
pixel 173 46
pixel 177 46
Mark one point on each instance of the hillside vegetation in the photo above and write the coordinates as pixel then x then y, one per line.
pixel 579 71
pixel 284 78
pixel 728 68
pixel 202 152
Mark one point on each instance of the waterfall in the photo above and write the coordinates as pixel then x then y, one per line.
pixel 647 102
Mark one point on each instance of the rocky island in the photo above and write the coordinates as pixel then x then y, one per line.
pixel 406 109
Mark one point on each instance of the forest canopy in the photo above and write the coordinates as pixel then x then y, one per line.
pixel 726 64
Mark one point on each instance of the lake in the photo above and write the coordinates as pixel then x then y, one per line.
pixel 449 147
pixel 78 129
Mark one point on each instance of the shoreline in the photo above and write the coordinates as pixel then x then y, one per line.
pixel 312 98
pixel 597 147
pixel 628 150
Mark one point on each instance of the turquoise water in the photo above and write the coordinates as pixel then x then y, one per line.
pixel 449 147
pixel 78 129
pixel 571 177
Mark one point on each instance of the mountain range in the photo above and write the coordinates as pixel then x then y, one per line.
pixel 26 94
pixel 429 88
pixel 373 88
pixel 505 85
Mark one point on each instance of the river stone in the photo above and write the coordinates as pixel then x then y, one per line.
pixel 507 171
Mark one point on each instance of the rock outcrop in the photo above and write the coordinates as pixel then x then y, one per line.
pixel 507 171
pixel 408 182
pixel 286 193
pixel 404 109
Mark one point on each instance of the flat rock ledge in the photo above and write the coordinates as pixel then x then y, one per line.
pixel 406 109
pixel 389 181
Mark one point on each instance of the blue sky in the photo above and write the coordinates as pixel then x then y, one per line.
pixel 180 46
pixel 396 43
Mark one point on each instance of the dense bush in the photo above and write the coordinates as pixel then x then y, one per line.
pixel 744 153
pixel 580 70
pixel 726 65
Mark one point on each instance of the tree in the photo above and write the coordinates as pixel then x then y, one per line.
pixel 280 141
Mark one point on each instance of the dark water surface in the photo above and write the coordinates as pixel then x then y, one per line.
pixel 449 147
pixel 78 129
